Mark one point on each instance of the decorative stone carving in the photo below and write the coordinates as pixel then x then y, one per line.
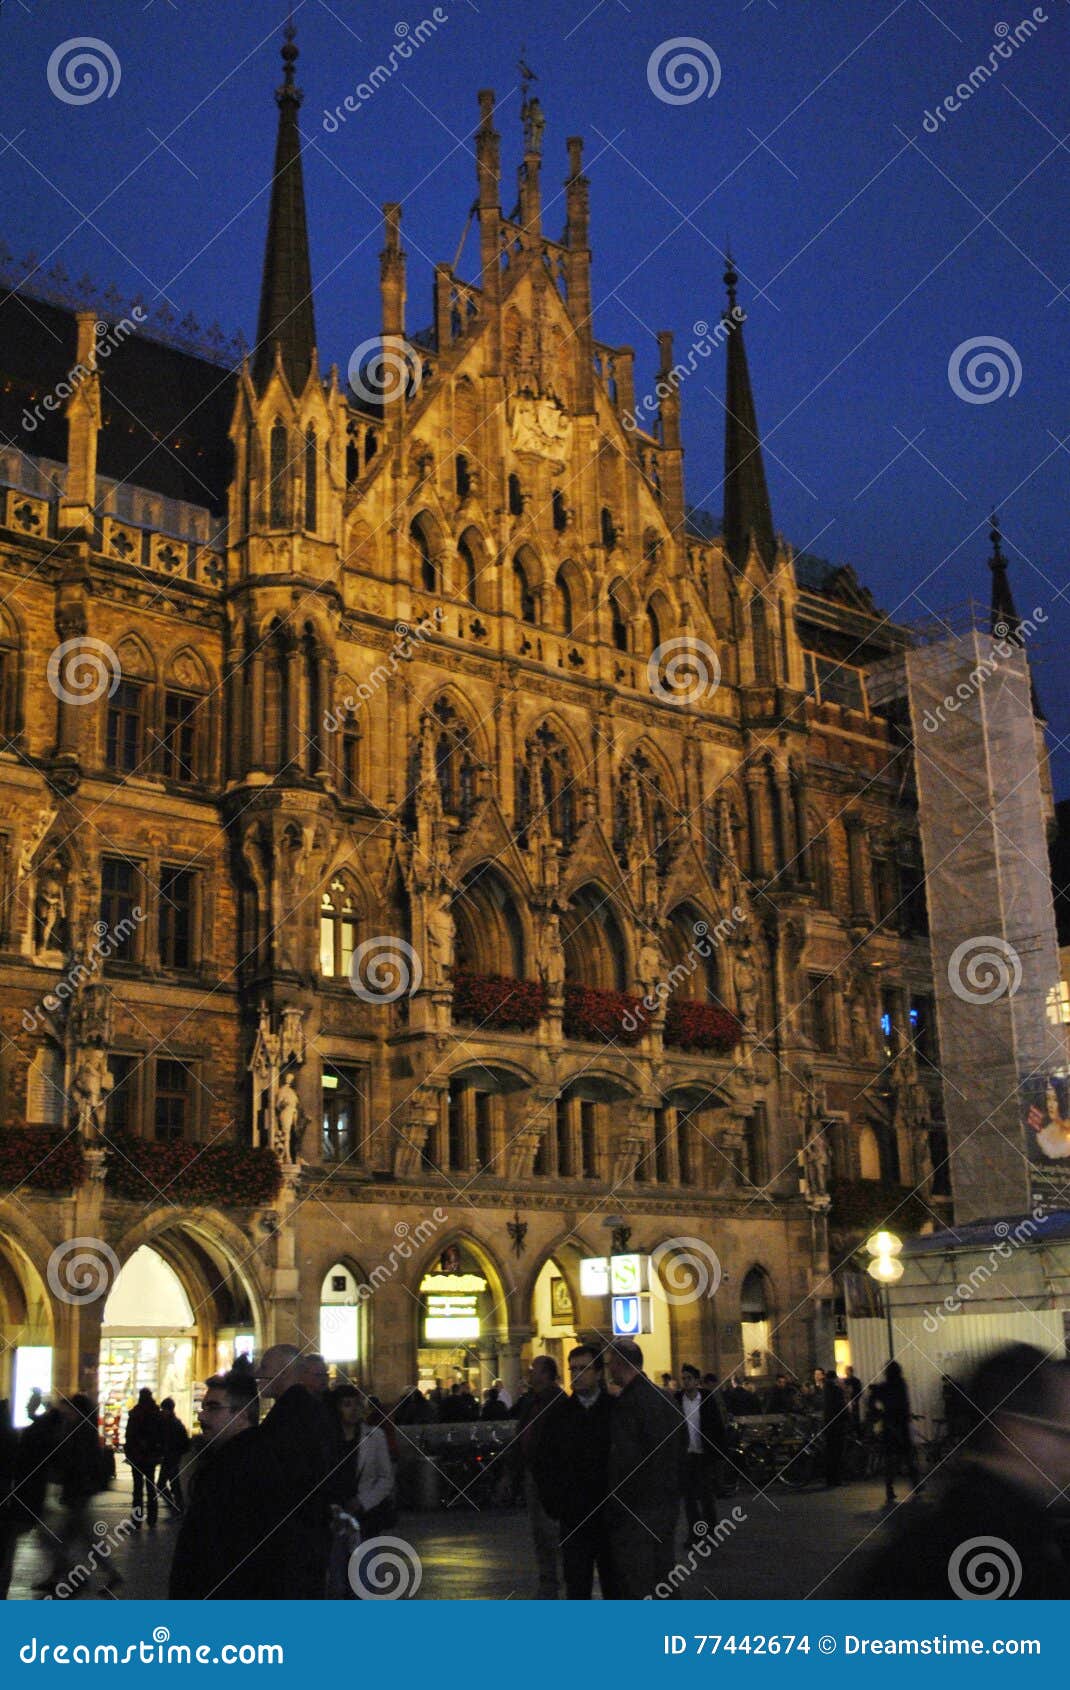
pixel 51 930
pixel 278 1119
pixel 539 424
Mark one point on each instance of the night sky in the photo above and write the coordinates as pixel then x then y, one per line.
pixel 869 248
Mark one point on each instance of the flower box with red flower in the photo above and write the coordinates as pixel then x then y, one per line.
pixel 604 1017
pixel 497 1001
pixel 693 1025
pixel 233 1176
pixel 46 1158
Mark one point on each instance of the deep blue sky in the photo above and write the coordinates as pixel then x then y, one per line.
pixel 880 248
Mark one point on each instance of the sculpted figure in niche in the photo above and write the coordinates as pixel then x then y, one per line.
pixel 50 909
pixel 287 1113
pixel 89 1089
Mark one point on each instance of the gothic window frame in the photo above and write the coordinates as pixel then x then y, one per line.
pixel 341 914
pixel 278 467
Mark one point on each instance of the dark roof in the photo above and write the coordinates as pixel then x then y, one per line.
pixel 165 413
pixel 833 581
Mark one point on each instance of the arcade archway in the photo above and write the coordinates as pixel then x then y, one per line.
pixel 27 1331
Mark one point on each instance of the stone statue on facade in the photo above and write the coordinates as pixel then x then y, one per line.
pixel 50 907
pixel 746 980
pixel 90 1087
pixel 551 960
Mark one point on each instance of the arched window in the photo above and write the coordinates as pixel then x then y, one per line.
pixel 338 929
pixel 421 539
pixel 516 496
pixel 653 627
pixel 469 568
pixel 525 595
pixel 454 764
pixel 619 623
pixel 488 928
pixel 278 467
pixel 609 529
pixel 276 702
pixel 560 510
pixel 755 1311
pixel 761 643
pixel 183 747
pixel 869 1154
pixel 9 677
pixel 643 808
pixel 595 952
pixel 462 477
pixel 129 711
pixel 311 474
pixel 545 786
pixel 562 603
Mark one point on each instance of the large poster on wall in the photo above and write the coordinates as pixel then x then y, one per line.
pixel 1045 1102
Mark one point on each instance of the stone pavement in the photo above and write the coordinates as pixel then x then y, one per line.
pixel 782 1544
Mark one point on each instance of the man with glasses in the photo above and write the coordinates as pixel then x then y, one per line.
pixel 215 1552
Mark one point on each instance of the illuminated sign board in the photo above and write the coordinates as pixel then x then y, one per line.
pixel 628 1275
pixel 451 1317
pixel 631 1316
pixel 594 1277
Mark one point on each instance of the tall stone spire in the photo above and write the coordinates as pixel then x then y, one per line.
pixel 1004 622
pixel 748 515
pixel 286 317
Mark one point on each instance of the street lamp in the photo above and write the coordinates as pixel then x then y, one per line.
pixel 884 1248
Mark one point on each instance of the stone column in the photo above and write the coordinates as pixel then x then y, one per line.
pixel 787 864
pixel 253 721
pixel 802 826
pixel 754 778
pixel 509 1350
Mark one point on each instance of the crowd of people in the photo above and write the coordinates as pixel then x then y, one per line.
pixel 287 1476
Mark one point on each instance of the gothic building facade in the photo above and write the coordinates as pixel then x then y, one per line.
pixel 432 855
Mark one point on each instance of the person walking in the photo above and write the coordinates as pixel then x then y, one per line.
pixel 532 1424
pixel 362 1484
pixel 142 1449
pixel 77 1465
pixel 216 1551
pixel 891 1414
pixel 173 1444
pixel 834 1416
pixel 646 1444
pixel 990 1526
pixel 706 1439
pixel 573 1474
pixel 852 1390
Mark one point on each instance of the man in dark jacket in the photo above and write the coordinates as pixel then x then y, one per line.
pixel 705 1442
pixel 835 1411
pixel 296 1445
pixel 142 1448
pixel 173 1442
pixel 645 1449
pixel 573 1474
pixel 992 1529
pixel 217 1544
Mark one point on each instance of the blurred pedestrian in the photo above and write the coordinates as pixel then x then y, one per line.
pixel 890 1413
pixel 532 1427
pixel 173 1444
pixel 646 1445
pixel 834 1417
pixel 142 1448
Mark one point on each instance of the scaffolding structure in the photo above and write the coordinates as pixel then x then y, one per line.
pixel 979 765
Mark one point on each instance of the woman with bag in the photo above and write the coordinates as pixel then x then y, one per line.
pixel 362 1485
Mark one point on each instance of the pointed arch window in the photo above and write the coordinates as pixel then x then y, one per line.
pixel 653 627
pixel 469 570
pixel 9 678
pixel 338 930
pixel 562 603
pixel 761 643
pixel 516 496
pixel 429 577
pixel 311 477
pixel 560 510
pixel 277 472
pixel 641 803
pixel 619 623
pixel 545 786
pixel 525 595
pixel 463 476
pixel 454 764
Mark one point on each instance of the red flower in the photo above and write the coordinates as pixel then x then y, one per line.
pixel 691 1025
pixel 615 1017
pixel 235 1176
pixel 44 1157
pixel 493 1000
